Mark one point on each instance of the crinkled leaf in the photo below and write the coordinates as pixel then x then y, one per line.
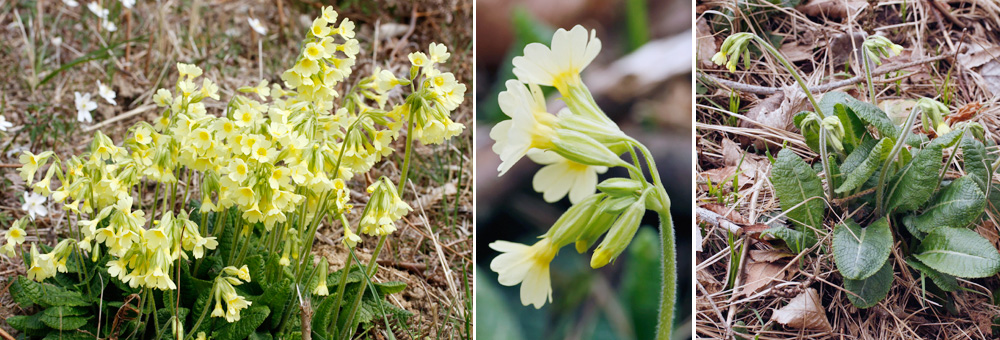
pixel 944 281
pixel 957 205
pixel 25 291
pixel 805 311
pixel 975 162
pixel 958 251
pixel 31 324
pixel 391 287
pixel 797 241
pixel 868 292
pixel 795 182
pixel 877 118
pixel 915 183
pixel 859 155
pixel 860 252
pixel 54 318
pixel 276 297
pixel 323 314
pixel 250 319
pixel 867 167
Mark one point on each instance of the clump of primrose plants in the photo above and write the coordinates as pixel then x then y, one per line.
pixel 263 175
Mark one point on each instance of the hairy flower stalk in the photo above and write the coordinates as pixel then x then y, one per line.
pixel 279 158
pixel 575 145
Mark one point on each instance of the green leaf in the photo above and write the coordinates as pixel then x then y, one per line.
pixel 877 118
pixel 795 182
pixel 797 241
pixel 322 315
pixel 860 154
pixel 853 126
pixel 54 317
pixel 391 287
pixel 27 323
pixel 870 291
pixel 250 319
pixel 276 297
pixel 860 252
pixel 915 183
pixel 25 291
pixel 957 205
pixel 859 175
pixel 975 162
pixel 260 336
pixel 944 281
pixel 959 252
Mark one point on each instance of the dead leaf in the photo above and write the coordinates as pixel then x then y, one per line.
pixel 760 275
pixel 434 195
pixel 964 113
pixel 797 52
pixel 754 230
pixel 769 255
pixel 991 73
pixel 897 109
pixel 837 9
pixel 711 284
pixel 732 154
pixel 843 44
pixel 730 214
pixel 706 43
pixel 978 54
pixel 805 311
pixel 989 231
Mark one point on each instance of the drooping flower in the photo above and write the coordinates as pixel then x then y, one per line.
pixel 99 11
pixel 530 127
pixel 560 65
pixel 528 266
pixel 561 176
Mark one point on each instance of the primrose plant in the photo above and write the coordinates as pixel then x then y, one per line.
pixel 885 177
pixel 263 175
pixel 575 146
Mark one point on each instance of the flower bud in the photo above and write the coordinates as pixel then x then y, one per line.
pixel 583 149
pixel 604 131
pixel 569 226
pixel 620 235
pixel 618 186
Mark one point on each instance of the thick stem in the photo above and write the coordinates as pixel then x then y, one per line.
pixel 340 285
pixel 823 135
pixel 669 294
pixel 356 303
pixel 896 148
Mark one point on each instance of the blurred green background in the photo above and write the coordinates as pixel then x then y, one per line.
pixel 621 300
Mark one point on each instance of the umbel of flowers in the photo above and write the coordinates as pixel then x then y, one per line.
pixel 277 156
pixel 574 146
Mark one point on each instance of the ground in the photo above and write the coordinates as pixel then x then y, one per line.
pixel 48 50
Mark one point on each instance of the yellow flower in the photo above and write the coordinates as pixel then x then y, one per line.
pixel 419 59
pixel 188 70
pixel 530 128
pixel 528 266
pixel 320 27
pixel 561 176
pixel 439 53
pixel 315 51
pixel 560 65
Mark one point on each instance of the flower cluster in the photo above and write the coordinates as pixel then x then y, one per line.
pixel 574 146
pixel 279 156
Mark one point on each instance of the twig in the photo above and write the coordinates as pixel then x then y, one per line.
pixel 947 13
pixel 757 89
pixel 717 220
pixel 4 334
pixel 122 116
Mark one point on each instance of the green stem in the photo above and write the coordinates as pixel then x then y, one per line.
pixel 795 74
pixel 812 99
pixel 868 76
pixel 668 296
pixel 896 148
pixel 406 154
pixel 204 311
pixel 824 155
pixel 369 271
pixel 340 285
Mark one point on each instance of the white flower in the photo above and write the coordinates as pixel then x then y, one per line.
pixel 561 176
pixel 560 65
pixel 99 11
pixel 528 266
pixel 257 26
pixel 34 205
pixel 4 124
pixel 57 41
pixel 128 3
pixel 71 3
pixel 106 92
pixel 109 26
pixel 530 127
pixel 83 107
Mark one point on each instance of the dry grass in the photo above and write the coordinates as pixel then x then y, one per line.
pixel 431 252
pixel 762 123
